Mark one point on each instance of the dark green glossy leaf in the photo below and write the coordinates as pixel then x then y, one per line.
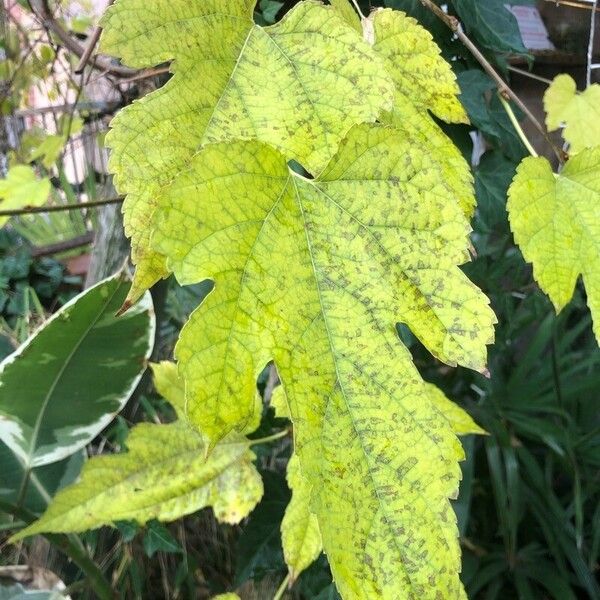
pixel 159 539
pixel 491 24
pixel 492 178
pixel 70 379
pixel 34 491
pixel 259 547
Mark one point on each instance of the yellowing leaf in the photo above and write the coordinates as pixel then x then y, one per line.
pixel 300 533
pixel 169 385
pixel 347 12
pixel 460 420
pixel 172 387
pixel 413 60
pixel 22 188
pixel 228 596
pixel 133 485
pixel 427 135
pixel 299 85
pixel 279 403
pixel 578 112
pixel 314 274
pixel 556 223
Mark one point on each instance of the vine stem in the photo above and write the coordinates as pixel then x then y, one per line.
pixel 281 589
pixel 503 88
pixel 71 546
pixel 517 126
pixel 30 210
pixel 270 438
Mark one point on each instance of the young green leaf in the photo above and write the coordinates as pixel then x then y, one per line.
pixel 315 274
pixel 134 485
pixel 556 223
pixel 299 85
pixel 579 113
pixel 86 361
pixel 21 188
pixel 300 533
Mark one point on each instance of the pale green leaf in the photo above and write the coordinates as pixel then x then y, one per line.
pixel 556 223
pixel 21 188
pixel 414 62
pixel 300 533
pixel 348 13
pixel 460 420
pixel 314 273
pixel 164 475
pixel 228 596
pixel 579 113
pixel 279 403
pixel 86 361
pixel 299 85
pixel 169 385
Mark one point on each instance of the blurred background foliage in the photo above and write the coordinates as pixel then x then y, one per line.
pixel 529 503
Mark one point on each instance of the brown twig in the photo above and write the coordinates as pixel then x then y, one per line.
pixel 30 210
pixel 92 41
pixel 503 88
pixel 76 242
pixel 146 74
pixel 42 12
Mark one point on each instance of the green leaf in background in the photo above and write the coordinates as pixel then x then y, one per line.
pixel 491 24
pixel 22 188
pixel 159 539
pixel 492 179
pixel 259 548
pixel 478 95
pixel 269 10
pixel 44 481
pixel 61 387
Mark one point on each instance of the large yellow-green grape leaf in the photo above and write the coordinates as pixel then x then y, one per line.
pixel 412 58
pixel 556 223
pixel 21 188
pixel 314 274
pixel 299 85
pixel 460 420
pixel 300 533
pixel 426 133
pixel 579 113
pixel 347 12
pixel 164 475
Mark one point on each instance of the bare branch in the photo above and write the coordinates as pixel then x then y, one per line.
pixel 30 210
pixel 43 13
pixel 503 88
